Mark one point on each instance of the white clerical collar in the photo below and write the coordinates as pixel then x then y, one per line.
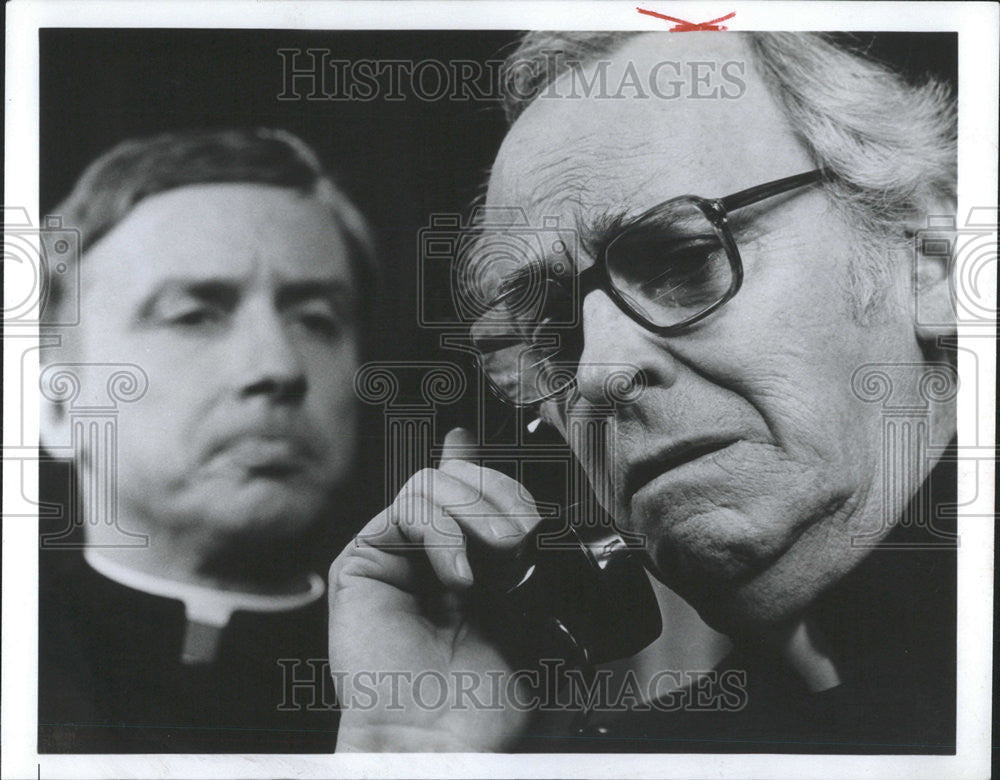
pixel 208 610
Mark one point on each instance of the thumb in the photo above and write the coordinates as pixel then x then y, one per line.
pixel 459 444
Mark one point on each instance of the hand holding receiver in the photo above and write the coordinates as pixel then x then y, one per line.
pixel 410 658
pixel 460 586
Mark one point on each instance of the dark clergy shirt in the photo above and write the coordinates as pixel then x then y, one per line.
pixel 111 679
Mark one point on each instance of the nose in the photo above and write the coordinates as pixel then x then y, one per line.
pixel 619 356
pixel 268 361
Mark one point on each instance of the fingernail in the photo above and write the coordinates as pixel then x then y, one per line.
pixel 462 568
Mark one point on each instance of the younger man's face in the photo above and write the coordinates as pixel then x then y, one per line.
pixel 237 302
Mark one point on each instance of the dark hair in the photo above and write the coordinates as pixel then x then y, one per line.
pixel 117 181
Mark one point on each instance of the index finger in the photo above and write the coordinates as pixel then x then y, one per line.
pixel 459 444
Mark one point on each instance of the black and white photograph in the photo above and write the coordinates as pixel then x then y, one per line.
pixel 491 389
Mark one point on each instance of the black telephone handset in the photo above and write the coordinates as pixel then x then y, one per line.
pixel 571 590
pixel 584 597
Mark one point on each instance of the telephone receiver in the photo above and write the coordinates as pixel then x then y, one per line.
pixel 571 589
pixel 571 592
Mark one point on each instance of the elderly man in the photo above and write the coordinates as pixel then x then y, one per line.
pixel 223 270
pixel 743 257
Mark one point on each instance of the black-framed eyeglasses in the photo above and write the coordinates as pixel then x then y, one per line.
pixel 668 268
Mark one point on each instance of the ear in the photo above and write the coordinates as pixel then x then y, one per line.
pixel 54 422
pixel 933 234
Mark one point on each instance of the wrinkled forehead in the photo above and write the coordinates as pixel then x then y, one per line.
pixel 577 155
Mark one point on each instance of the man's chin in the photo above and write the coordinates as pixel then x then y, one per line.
pixel 732 582
pixel 712 589
pixel 741 594
pixel 263 511
pixel 265 557
pixel 754 606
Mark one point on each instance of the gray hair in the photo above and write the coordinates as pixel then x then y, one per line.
pixel 888 144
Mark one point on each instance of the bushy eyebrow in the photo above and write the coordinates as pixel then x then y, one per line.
pixel 594 232
pixel 597 230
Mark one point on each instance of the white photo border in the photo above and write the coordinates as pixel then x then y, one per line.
pixel 978 67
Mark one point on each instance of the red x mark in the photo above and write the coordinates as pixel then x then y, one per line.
pixel 682 26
